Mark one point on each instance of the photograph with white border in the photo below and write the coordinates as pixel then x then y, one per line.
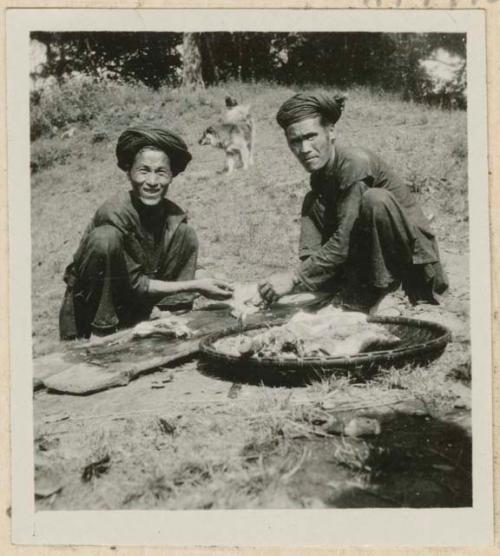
pixel 249 277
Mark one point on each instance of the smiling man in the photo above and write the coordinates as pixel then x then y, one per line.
pixel 138 251
pixel 362 232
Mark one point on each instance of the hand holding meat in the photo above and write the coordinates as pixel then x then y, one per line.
pixel 276 286
pixel 213 288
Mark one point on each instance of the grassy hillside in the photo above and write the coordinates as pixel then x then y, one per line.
pixel 247 222
pixel 195 442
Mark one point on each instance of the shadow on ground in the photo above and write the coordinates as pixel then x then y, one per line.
pixel 416 461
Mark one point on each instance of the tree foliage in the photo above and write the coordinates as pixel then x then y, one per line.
pixel 385 60
pixel 151 58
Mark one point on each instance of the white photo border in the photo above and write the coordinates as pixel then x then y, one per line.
pixel 328 527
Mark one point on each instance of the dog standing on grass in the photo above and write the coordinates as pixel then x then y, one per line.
pixel 235 135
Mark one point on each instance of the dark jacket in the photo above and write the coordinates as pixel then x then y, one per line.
pixel 334 202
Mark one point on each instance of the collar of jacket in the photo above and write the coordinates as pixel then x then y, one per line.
pixel 328 170
pixel 174 214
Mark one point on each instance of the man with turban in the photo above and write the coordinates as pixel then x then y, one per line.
pixel 138 251
pixel 362 232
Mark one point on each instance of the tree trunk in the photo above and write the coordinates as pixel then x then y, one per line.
pixel 211 70
pixel 191 62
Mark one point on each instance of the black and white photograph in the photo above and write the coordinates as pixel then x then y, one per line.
pixel 249 255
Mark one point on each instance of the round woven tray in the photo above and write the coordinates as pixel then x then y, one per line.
pixel 421 343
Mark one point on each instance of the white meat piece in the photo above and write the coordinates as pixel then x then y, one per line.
pixel 169 326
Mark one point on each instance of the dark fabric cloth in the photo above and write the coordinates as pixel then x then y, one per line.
pixel 134 139
pixel 360 220
pixel 310 105
pixel 125 245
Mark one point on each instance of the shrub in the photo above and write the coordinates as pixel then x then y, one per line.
pixel 47 152
pixel 441 80
pixel 77 100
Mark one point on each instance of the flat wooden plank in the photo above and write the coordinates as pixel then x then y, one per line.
pixel 86 378
pixel 51 364
pixel 88 367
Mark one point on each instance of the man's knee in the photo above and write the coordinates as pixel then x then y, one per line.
pixel 104 240
pixel 188 237
pixel 375 202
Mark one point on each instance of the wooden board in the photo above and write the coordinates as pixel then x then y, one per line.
pixel 85 368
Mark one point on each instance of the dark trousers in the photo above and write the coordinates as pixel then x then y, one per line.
pixel 102 293
pixel 380 254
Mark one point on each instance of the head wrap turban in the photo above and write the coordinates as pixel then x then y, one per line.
pixel 310 105
pixel 134 139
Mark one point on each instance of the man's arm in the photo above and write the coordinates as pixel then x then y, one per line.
pixel 311 217
pixel 145 287
pixel 324 263
pixel 209 287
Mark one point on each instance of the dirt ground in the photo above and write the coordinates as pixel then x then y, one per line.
pixel 182 438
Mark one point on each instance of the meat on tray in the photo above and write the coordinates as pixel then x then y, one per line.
pixel 329 332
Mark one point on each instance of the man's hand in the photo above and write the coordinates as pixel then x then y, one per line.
pixel 214 288
pixel 276 286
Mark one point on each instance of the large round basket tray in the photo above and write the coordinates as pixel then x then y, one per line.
pixel 421 343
